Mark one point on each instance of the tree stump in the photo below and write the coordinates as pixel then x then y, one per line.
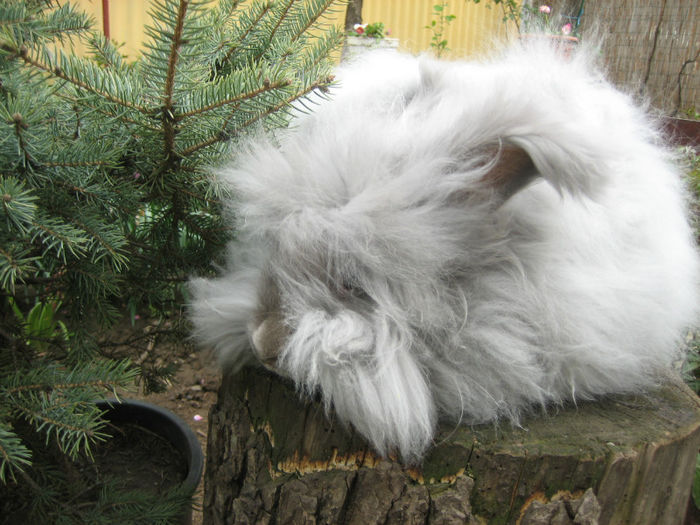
pixel 275 458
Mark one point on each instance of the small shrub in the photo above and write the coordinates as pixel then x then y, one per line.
pixel 107 206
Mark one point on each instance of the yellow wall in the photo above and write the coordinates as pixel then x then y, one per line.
pixel 469 34
pixel 127 20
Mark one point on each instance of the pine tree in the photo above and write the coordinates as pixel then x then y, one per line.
pixel 107 204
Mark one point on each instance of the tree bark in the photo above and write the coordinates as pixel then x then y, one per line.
pixel 276 458
pixel 353 15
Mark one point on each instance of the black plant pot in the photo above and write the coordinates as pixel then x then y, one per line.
pixel 167 425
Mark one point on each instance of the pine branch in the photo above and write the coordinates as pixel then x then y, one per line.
pixel 11 269
pixel 106 53
pixel 168 114
pixel 223 135
pixel 57 24
pixel 174 54
pixel 60 402
pixel 109 240
pixel 59 238
pixel 250 24
pixel 18 203
pixel 116 505
pixel 20 126
pixel 90 280
pixel 54 425
pixel 111 112
pixel 235 80
pixel 74 430
pixel 284 12
pixel 13 454
pixel 49 387
pixel 77 164
pixel 105 197
pixel 321 85
pixel 51 377
pixel 322 48
pixel 65 20
pixel 314 12
pixel 76 71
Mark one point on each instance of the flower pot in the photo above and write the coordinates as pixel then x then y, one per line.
pixel 356 46
pixel 166 425
pixel 682 131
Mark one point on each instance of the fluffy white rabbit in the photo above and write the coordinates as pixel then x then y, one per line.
pixel 455 240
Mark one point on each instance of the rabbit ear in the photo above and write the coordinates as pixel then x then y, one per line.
pixel 512 171
pixel 526 121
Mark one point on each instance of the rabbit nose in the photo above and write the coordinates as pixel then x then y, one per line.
pixel 257 336
pixel 263 338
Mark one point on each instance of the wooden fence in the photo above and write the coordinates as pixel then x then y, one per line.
pixel 651 47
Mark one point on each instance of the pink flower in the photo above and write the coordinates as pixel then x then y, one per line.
pixel 545 9
pixel 566 29
pixel 197 417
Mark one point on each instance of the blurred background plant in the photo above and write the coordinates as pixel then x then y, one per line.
pixel 531 17
pixel 510 9
pixel 437 26
pixel 107 205
pixel 545 19
pixel 374 30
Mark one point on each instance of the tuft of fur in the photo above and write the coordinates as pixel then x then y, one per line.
pixel 393 259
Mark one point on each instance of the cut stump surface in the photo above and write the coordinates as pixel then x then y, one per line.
pixel 275 458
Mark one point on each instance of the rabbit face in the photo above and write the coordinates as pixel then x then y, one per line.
pixel 462 240
pixel 321 327
pixel 335 322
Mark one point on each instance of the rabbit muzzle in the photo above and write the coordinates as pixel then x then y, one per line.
pixel 267 338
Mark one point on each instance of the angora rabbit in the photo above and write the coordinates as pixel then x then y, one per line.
pixel 456 240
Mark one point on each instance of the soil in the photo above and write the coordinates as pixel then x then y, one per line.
pixel 138 458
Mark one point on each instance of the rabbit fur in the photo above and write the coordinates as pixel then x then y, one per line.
pixel 456 240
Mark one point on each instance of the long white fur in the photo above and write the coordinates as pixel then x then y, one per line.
pixel 460 308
